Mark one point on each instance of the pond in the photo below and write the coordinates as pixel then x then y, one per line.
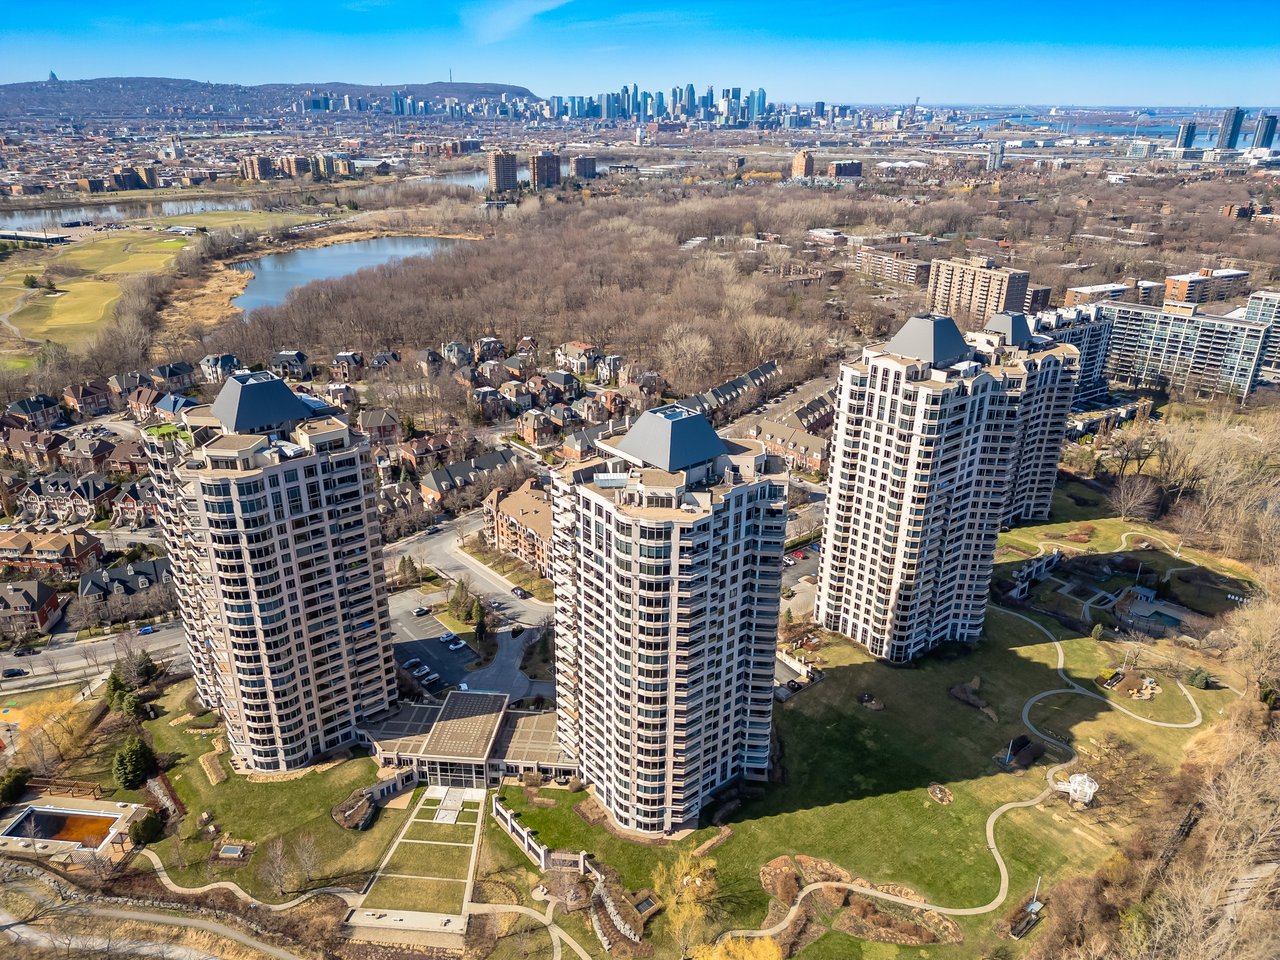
pixel 277 274
pixel 52 217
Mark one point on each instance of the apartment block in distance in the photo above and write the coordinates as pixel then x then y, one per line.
pixel 582 168
pixel 544 170
pixel 1185 351
pixel 667 567
pixel 267 510
pixel 502 171
pixel 1206 286
pixel 1090 333
pixel 897 263
pixel 802 164
pixel 975 288
pixel 931 430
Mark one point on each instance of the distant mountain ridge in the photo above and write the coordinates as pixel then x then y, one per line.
pixel 136 96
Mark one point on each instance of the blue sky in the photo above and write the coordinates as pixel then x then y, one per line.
pixel 1080 51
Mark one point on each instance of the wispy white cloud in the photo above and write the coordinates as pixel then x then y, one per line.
pixel 494 22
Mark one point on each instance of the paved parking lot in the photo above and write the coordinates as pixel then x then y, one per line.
pixel 419 637
pixel 808 567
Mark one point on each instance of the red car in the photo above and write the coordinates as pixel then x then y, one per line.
pixel 799 555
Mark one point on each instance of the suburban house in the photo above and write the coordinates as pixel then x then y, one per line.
pixel 173 376
pixel 123 384
pixel 290 365
pixel 517 396
pixel 142 402
pixel 528 346
pixel 380 426
pixel 536 429
pixel 570 387
pixel 86 454
pixel 519 523
pixel 488 348
pixel 445 480
pixel 579 357
pixel 216 367
pixel 129 456
pixel 383 360
pixel 136 504
pixel 521 366
pixel 93 398
pixel 171 406
pixel 494 372
pixel 28 605
pixel 457 353
pixel 37 448
pixel 125 581
pixel 35 413
pixel 347 367
pixel 429 361
pixel 489 402
pixel 608 367
pixel 31 550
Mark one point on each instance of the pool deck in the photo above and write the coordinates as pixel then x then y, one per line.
pixel 122 814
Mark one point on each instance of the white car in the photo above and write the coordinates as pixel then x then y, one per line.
pixel 457 645
pixel 421 672
pixel 430 678
pixel 789 561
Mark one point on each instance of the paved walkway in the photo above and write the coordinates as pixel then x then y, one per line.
pixel 1003 892
pixel 27 934
pixel 348 896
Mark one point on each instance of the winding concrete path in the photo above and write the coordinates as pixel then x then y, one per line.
pixel 558 933
pixel 1003 892
pixel 23 933
pixel 350 897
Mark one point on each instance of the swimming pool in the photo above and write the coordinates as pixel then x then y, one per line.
pixel 42 823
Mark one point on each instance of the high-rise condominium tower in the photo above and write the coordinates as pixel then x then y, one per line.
pixel 267 509
pixel 502 171
pixel 1229 130
pixel 667 566
pixel 936 440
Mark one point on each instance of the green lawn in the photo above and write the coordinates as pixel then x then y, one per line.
pixel 89 287
pixel 856 783
pixel 430 860
pixel 464 632
pixel 443 832
pixel 519 573
pixel 428 896
pixel 260 812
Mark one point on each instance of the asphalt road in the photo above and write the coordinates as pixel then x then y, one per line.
pixel 66 661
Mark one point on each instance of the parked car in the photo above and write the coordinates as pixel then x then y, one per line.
pixel 457 645
pixel 419 611
pixel 430 678
pixel 11 672
pixel 431 530
pixel 421 672
pixel 410 664
pixel 798 554
pixel 789 561
pixel 448 638
pixel 522 593
pixel 146 631
pixel 26 652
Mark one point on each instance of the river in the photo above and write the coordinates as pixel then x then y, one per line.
pixel 52 217
pixel 277 274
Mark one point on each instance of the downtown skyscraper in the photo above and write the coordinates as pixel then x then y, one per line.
pixel 267 510
pixel 667 566
pixel 938 439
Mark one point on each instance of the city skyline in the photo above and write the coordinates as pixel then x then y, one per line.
pixel 561 48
